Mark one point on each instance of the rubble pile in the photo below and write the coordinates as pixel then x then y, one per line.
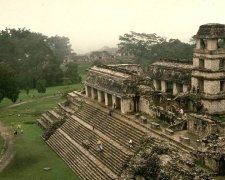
pixel 214 145
pixel 157 159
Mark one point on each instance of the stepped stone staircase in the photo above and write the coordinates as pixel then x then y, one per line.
pixel 68 140
pixel 48 118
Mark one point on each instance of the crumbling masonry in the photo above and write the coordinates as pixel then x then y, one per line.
pixel 173 101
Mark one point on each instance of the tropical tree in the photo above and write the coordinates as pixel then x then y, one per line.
pixel 71 73
pixel 153 47
pixel 60 47
pixel 8 85
pixel 33 56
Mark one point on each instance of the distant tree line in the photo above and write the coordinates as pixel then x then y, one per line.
pixel 152 47
pixel 32 60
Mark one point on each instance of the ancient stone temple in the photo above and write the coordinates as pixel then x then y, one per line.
pixel 116 86
pixel 129 122
pixel 208 66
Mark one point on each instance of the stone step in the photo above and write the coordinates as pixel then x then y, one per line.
pixel 113 126
pixel 112 157
pixel 60 149
pixel 54 114
pixel 116 121
pixel 78 158
pixel 99 133
pixel 42 123
pixel 46 116
pixel 66 109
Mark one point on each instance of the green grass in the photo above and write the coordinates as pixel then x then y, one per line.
pixel 32 153
pixel 33 94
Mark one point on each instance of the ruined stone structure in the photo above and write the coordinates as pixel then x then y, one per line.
pixel 171 76
pixel 172 101
pixel 209 65
pixel 115 86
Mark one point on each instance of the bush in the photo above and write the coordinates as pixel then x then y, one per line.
pixel 41 86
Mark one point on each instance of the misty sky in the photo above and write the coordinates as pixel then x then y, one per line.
pixel 91 24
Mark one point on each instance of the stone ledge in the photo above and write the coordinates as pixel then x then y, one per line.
pixel 155 125
pixel 185 139
pixel 169 131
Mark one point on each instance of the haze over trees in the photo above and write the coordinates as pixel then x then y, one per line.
pixel 152 47
pixel 32 59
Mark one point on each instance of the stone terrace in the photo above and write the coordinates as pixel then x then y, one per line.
pixel 114 132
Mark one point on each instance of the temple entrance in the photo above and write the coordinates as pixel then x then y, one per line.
pixel 109 99
pixel 222 166
pixel 156 100
pixel 102 94
pixel 95 93
pixel 136 100
pixel 169 87
pixel 118 103
pixel 88 91
pixel 179 88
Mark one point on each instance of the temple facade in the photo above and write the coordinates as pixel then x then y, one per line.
pixel 197 87
pixel 171 100
pixel 209 65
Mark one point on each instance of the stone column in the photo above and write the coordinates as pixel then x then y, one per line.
pixel 194 82
pixel 174 88
pixel 106 99
pixel 155 84
pixel 86 90
pixel 99 96
pixel 163 86
pixel 114 101
pixel 92 93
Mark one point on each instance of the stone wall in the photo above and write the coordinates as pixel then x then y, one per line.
pixel 214 106
pixel 145 106
pixel 112 83
pixel 170 74
pixel 130 67
pixel 127 105
pixel 200 125
pixel 211 87
pixel 211 163
pixel 207 75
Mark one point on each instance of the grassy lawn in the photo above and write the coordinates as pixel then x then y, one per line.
pixel 33 94
pixel 32 154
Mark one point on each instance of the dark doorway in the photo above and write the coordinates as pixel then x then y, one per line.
pixel 222 166
pixel 109 99
pixel 118 103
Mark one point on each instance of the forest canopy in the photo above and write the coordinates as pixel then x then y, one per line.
pixel 31 58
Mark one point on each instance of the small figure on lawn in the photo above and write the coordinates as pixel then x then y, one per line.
pixel 15 132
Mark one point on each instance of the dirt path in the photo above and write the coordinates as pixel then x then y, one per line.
pixel 28 101
pixel 7 153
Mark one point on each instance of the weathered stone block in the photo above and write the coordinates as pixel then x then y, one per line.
pixel 143 119
pixel 155 125
pixel 185 139
pixel 169 131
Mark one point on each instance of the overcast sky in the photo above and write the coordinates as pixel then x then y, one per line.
pixel 91 24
